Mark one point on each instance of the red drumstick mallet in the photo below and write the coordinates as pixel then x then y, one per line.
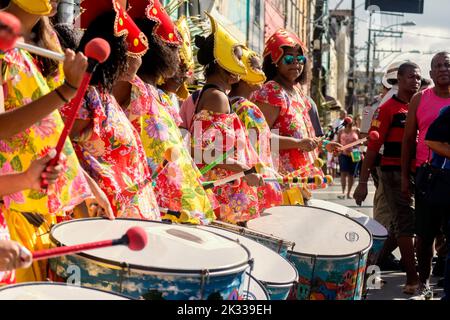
pixel 373 135
pixel 135 238
pixel 97 51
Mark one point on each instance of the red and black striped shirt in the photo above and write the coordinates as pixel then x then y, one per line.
pixel 389 120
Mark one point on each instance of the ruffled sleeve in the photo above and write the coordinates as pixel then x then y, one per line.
pixel 273 94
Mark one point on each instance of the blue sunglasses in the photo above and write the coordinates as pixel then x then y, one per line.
pixel 289 59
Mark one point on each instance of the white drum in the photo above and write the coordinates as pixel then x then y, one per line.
pixel 378 231
pixel 330 252
pixel 253 289
pixel 54 291
pixel 276 273
pixel 179 262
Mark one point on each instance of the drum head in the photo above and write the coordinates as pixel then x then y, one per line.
pixel 268 266
pixel 316 232
pixel 253 290
pixel 170 248
pixel 54 291
pixel 372 225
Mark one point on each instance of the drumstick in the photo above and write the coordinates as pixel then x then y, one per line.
pixel 234 177
pixel 373 135
pixel 317 180
pixel 97 51
pixel 216 162
pixel 346 121
pixel 170 155
pixel 9 41
pixel 135 239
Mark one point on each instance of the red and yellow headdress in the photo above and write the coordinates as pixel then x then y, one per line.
pixel 37 7
pixel 153 10
pixel 282 38
pixel 123 24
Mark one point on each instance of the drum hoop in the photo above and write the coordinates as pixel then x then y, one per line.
pixel 334 257
pixel 272 284
pixel 378 236
pixel 261 285
pixel 151 270
pixel 367 249
pixel 43 283
pixel 257 234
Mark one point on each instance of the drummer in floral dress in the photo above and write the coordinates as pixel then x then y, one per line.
pixel 107 144
pixel 29 214
pixel 216 130
pixel 258 131
pixel 180 194
pixel 286 107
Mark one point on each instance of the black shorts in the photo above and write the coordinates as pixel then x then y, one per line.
pixel 431 220
pixel 346 164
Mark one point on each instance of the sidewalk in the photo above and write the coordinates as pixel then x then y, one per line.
pixel 392 290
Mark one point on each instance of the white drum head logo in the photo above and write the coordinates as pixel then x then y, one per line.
pixel 352 236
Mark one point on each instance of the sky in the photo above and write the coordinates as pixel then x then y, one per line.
pixel 430 35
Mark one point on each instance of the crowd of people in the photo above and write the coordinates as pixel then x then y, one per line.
pixel 143 146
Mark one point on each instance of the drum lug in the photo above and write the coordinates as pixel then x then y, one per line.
pixel 204 279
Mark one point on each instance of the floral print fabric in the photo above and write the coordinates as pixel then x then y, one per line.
pixel 22 84
pixel 177 185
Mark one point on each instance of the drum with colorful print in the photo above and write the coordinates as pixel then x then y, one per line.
pixel 276 273
pixel 280 246
pixel 330 252
pixel 379 232
pixel 55 291
pixel 253 289
pixel 178 263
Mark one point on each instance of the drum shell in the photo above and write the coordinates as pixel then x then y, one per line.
pixel 147 282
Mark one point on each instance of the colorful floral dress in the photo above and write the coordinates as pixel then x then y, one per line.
pixel 293 121
pixel 258 131
pixel 111 151
pixel 173 110
pixel 178 185
pixel 22 84
pixel 238 201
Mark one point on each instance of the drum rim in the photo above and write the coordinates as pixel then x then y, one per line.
pixel 261 285
pixel 380 236
pixel 349 255
pixel 289 244
pixel 273 284
pixel 44 283
pixel 233 269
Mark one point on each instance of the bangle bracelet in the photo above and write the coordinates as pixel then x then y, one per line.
pixel 61 95
pixel 70 86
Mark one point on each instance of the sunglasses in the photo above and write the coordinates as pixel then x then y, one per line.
pixel 289 59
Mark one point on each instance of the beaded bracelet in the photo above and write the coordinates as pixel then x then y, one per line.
pixel 61 95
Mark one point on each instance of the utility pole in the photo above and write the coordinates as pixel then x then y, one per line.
pixel 317 53
pixel 351 81
pixel 369 40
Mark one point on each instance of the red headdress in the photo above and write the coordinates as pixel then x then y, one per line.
pixel 123 24
pixel 165 28
pixel 282 38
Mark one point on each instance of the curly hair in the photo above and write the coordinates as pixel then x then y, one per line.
pixel 161 59
pixel 271 71
pixel 108 72
pixel 68 36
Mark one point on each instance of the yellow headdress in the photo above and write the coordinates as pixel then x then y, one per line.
pixel 37 7
pixel 186 54
pixel 254 74
pixel 224 46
